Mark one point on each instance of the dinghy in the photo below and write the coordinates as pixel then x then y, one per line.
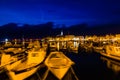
pixel 58 64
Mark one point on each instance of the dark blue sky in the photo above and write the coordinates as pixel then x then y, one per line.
pixel 68 12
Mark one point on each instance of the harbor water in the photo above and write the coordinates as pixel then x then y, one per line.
pixel 88 66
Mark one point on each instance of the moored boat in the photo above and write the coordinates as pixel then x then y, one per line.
pixel 111 51
pixel 58 64
pixel 23 69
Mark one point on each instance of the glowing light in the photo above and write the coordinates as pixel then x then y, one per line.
pixel 6 40
pixel 61 33
pixel 75 38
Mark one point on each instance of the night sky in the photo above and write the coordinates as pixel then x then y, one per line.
pixel 68 12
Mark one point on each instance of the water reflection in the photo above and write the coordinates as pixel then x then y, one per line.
pixel 112 64
pixel 45 74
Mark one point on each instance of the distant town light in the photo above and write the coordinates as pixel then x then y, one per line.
pixel 75 38
pixel 61 33
pixel 6 40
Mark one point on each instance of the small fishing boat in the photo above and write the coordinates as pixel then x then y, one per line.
pixel 24 68
pixel 112 51
pixel 58 64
